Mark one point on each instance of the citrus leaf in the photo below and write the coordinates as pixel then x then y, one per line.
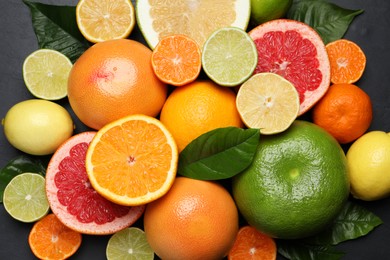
pixel 329 20
pixel 56 28
pixel 354 221
pixel 219 154
pixel 17 166
pixel 296 249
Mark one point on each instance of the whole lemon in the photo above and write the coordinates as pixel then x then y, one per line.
pixel 37 126
pixel 265 10
pixel 369 166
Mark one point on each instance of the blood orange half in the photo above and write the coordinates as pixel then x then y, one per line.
pixel 295 51
pixel 72 198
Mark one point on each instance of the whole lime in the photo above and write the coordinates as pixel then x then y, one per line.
pixel 297 183
pixel 369 166
pixel 265 10
pixel 37 126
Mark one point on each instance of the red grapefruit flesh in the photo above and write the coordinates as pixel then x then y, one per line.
pixel 72 198
pixel 295 51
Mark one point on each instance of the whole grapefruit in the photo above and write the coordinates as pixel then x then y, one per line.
pixel 113 79
pixel 296 185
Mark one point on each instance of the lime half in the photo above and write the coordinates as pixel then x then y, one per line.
pixel 129 244
pixel 229 56
pixel 24 197
pixel 45 74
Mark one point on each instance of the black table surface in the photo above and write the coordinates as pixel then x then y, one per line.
pixel 370 30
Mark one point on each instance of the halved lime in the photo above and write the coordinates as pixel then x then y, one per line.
pixel 229 56
pixel 24 197
pixel 129 244
pixel 269 102
pixel 45 74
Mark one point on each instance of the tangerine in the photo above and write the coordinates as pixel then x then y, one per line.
pixel 113 79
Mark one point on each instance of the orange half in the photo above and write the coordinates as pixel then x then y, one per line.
pixel 132 161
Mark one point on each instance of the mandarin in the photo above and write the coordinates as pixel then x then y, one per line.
pixel 197 108
pixel 345 112
pixel 195 220
pixel 113 79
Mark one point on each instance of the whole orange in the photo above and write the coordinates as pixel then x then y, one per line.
pixel 113 79
pixel 197 108
pixel 194 220
pixel 345 112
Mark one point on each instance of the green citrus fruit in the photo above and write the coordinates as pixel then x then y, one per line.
pixel 37 126
pixel 369 166
pixel 265 10
pixel 297 183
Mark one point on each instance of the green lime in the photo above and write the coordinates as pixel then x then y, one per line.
pixel 229 56
pixel 45 74
pixel 129 244
pixel 24 197
pixel 297 183
pixel 37 126
pixel 266 10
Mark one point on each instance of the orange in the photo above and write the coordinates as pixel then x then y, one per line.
pixel 195 220
pixel 345 112
pixel 132 161
pixel 252 244
pixel 113 79
pixel 176 60
pixel 347 61
pixel 197 108
pixel 50 239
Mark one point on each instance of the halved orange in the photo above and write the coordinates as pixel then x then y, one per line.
pixel 50 239
pixel 347 61
pixel 132 161
pixel 176 60
pixel 252 244
pixel 102 20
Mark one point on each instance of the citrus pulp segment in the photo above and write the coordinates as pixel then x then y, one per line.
pixel 176 60
pixel 45 73
pixel 196 19
pixel 269 102
pixel 129 243
pixel 50 239
pixel 229 56
pixel 74 201
pixel 133 160
pixel 102 20
pixel 295 51
pixel 24 197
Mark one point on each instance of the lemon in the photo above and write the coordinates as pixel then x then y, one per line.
pixel 37 126
pixel 369 166
pixel 265 10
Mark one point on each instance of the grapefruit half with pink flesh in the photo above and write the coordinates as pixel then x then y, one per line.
pixel 72 198
pixel 295 51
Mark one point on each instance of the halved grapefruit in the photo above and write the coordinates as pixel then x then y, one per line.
pixel 72 198
pixel 295 51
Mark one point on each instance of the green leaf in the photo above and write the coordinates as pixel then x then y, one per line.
pixel 56 28
pixel 17 166
pixel 328 19
pixel 219 154
pixel 353 222
pixel 296 249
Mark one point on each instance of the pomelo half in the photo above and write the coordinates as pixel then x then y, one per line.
pixel 72 198
pixel 295 51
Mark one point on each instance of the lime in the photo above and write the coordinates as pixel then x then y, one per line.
pixel 369 166
pixel 45 74
pixel 129 243
pixel 229 56
pixel 24 197
pixel 269 102
pixel 37 126
pixel 265 10
pixel 297 183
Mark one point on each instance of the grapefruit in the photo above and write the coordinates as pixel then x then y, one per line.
pixel 72 198
pixel 297 183
pixel 295 51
